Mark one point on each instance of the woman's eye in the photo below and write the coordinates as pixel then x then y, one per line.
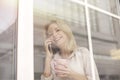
pixel 49 35
pixel 57 30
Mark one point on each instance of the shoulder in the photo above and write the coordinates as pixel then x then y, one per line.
pixel 82 50
pixel 84 53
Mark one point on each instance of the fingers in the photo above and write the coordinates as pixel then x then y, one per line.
pixel 60 67
pixel 63 63
pixel 62 70
pixel 60 73
pixel 48 48
pixel 48 42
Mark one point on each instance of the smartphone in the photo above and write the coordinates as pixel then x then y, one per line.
pixel 53 49
pixel 50 48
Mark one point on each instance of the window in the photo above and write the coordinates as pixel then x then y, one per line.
pixel 102 21
pixel 108 5
pixel 104 29
pixel 72 13
pixel 8 39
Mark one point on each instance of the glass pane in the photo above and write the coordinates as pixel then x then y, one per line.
pixel 61 8
pixel 98 23
pixel 8 38
pixel 106 45
pixel 73 14
pixel 112 6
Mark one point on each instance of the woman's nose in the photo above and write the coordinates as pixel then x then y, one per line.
pixel 54 34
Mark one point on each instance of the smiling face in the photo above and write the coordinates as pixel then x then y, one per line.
pixel 57 35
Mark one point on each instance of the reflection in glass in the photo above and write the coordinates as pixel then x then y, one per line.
pixel 8 26
pixel 45 10
pixel 98 23
pixel 112 6
pixel 106 44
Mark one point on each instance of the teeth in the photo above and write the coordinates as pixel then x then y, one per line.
pixel 57 39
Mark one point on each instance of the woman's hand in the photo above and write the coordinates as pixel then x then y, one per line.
pixel 49 54
pixel 63 70
pixel 48 43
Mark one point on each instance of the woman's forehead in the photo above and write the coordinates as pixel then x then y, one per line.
pixel 52 27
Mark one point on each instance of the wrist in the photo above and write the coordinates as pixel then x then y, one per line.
pixel 47 60
pixel 46 74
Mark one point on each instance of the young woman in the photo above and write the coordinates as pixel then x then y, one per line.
pixel 64 59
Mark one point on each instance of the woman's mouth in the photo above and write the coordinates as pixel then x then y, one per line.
pixel 57 39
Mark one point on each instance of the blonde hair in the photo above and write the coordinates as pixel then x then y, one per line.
pixel 71 44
